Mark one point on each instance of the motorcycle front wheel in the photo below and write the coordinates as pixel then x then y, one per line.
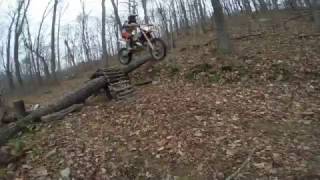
pixel 125 56
pixel 159 51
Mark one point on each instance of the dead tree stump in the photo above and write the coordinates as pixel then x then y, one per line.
pixel 20 108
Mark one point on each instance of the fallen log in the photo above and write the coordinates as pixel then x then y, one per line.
pixel 304 36
pixel 61 114
pixel 247 36
pixel 77 97
pixel 136 64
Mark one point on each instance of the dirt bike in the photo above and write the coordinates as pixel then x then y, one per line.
pixel 143 39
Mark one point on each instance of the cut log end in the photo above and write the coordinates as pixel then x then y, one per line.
pixel 20 108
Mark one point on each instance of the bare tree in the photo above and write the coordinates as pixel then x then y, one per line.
pixel 8 64
pixel 84 31
pixel 37 50
pixel 53 39
pixel 103 31
pixel 224 44
pixel 61 12
pixel 21 15
pixel 275 4
pixel 70 54
pixel 308 3
pixel 185 16
pixel 263 5
pixel 145 10
pixel 164 20
pixel 172 38
pixel 29 45
pixel 202 14
pixel 247 6
pixel 316 14
pixel 116 13
pixel 117 20
pixel 2 60
pixel 174 16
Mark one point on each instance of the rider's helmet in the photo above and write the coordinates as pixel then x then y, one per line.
pixel 132 18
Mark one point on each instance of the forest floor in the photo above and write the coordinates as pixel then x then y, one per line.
pixel 200 119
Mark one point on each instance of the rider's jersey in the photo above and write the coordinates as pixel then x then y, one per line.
pixel 128 27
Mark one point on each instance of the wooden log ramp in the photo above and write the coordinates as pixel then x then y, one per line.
pixel 114 81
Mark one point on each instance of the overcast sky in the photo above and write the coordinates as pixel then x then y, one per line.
pixel 73 9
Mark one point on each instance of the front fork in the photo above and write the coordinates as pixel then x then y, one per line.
pixel 148 40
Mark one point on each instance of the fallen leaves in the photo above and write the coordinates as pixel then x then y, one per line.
pixel 204 127
pixel 39 172
pixel 65 174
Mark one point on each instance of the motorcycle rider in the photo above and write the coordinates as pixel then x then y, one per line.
pixel 128 28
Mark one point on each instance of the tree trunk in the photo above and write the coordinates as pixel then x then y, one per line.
pixel 58 41
pixel 316 14
pixel 162 13
pixel 224 44
pixel 37 51
pixel 16 60
pixel 8 64
pixel 145 11
pixel 20 108
pixel 3 113
pixel 308 3
pixel 53 51
pixel 103 32
pixel 77 97
pixel 84 33
pixel 29 45
pixel 255 4
pixel 202 15
pixel 18 30
pixel 70 54
pixel 10 79
pixel 42 59
pixel 275 4
pixel 175 18
pixel 185 15
pixel 263 5
pixel 247 6
pixel 116 14
pixel 172 40
pixel 192 14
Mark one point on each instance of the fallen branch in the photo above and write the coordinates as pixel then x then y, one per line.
pixel 233 38
pixel 247 36
pixel 243 165
pixel 143 83
pixel 304 36
pixel 61 114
